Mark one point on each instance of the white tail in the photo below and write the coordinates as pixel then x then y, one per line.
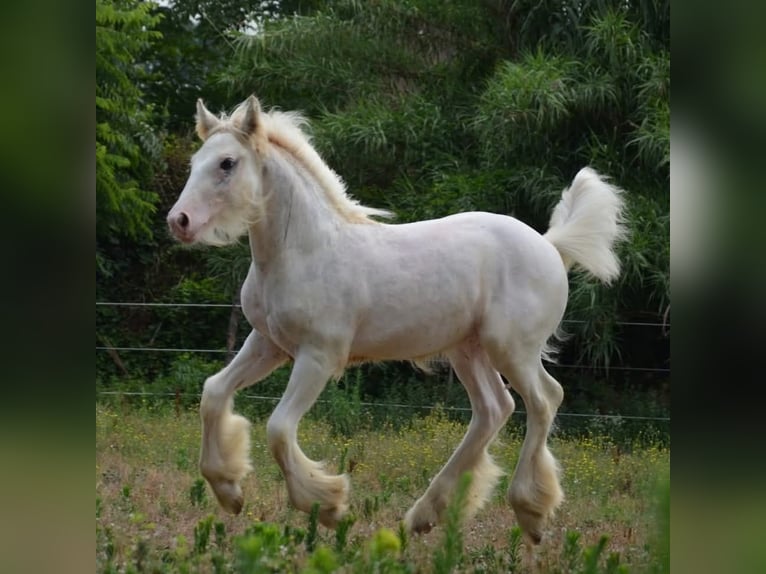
pixel 586 224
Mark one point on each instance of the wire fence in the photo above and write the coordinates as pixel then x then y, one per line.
pixel 665 326
pixel 649 324
pixel 393 406
pixel 234 351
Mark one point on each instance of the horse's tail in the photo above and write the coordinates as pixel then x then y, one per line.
pixel 587 223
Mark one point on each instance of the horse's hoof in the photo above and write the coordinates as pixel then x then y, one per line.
pixel 236 506
pixel 535 537
pixel 330 517
pixel 532 523
pixel 229 495
pixel 421 518
pixel 423 528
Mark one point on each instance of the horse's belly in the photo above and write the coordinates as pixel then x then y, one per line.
pixel 405 331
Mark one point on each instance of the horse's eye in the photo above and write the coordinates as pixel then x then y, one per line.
pixel 227 164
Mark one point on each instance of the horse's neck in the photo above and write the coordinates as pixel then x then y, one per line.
pixel 296 213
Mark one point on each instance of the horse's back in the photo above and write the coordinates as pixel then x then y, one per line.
pixel 428 285
pixel 478 246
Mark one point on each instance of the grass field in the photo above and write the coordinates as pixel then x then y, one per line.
pixel 153 514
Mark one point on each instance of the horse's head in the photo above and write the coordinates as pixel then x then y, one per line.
pixel 221 198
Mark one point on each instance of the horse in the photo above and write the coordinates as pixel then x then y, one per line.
pixel 331 283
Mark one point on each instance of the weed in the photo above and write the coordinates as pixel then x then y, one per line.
pixel 260 550
pixel 219 563
pixel 486 560
pixel 197 493
pixel 341 532
pixel 570 554
pixel 515 536
pixel 403 538
pixel 323 561
pixel 342 463
pixel 371 506
pixel 183 460
pixel 383 552
pixel 312 532
pixel 202 534
pixel 450 555
pixel 220 535
pixel 591 556
pixel 141 555
pixel 613 565
pixel 109 544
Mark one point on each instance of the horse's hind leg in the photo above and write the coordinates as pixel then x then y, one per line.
pixel 225 456
pixel 491 404
pixel 535 491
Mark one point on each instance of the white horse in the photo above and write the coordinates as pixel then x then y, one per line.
pixel 329 286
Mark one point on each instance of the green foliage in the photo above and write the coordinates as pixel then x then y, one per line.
pixel 126 143
pixel 311 533
pixel 322 561
pixel 259 550
pixel 561 25
pixel 220 535
pixel 202 534
pixel 590 560
pixel 349 51
pixel 449 556
pixel 403 536
pixel 571 551
pixel 515 536
pixel 199 38
pixel 198 492
pixel 398 137
pixel 227 268
pixel 534 95
pixel 383 553
pixel 342 531
pixel 341 404
pixel 490 559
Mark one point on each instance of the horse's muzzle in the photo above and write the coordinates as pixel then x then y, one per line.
pixel 179 226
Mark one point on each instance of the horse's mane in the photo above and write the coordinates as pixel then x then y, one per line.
pixel 286 130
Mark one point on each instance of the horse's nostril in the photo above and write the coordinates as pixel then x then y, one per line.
pixel 183 220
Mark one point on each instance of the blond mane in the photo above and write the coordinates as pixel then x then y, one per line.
pixel 285 130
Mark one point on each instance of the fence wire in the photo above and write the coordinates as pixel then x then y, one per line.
pixel 393 406
pixel 234 351
pixel 664 325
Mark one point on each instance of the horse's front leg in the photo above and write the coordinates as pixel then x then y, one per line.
pixel 307 481
pixel 225 454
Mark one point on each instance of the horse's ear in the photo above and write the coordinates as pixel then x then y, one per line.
pixel 252 115
pixel 205 121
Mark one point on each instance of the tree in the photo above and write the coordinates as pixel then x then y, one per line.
pixel 126 143
pixel 198 44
